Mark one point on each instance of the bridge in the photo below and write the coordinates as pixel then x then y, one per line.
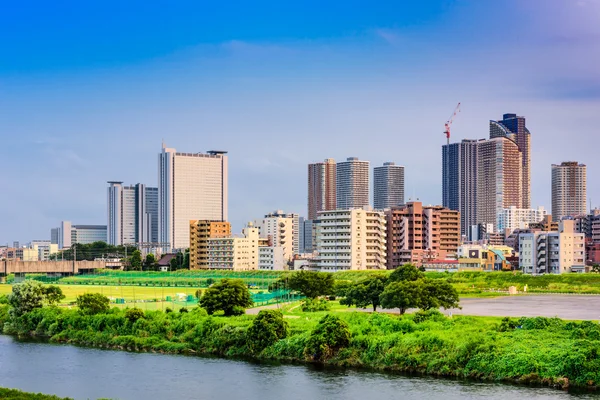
pixel 20 268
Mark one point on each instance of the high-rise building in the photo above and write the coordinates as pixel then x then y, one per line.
pixel 388 187
pixel 459 181
pixel 86 234
pixel 417 234
pixel 569 189
pixel 132 214
pixel 321 187
pixel 513 218
pixel 513 127
pixel 350 240
pixel 499 179
pixel 200 232
pixel 306 235
pixel 191 186
pixel 352 184
pixel 61 235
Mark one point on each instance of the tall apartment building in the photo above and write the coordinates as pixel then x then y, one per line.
pixel 388 186
pixel 200 232
pixel 352 184
pixel 191 186
pixel 416 234
pixel 350 240
pixel 569 189
pixel 499 179
pixel 459 181
pixel 235 253
pixel 321 187
pixel 552 252
pixel 283 230
pixel 513 218
pixel 132 214
pixel 513 127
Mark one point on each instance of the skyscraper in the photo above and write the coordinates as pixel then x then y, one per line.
pixel 499 178
pixel 513 127
pixel 352 184
pixel 191 186
pixel 132 214
pixel 388 188
pixel 569 189
pixel 459 181
pixel 321 187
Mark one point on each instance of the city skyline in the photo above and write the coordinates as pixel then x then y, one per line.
pixel 376 89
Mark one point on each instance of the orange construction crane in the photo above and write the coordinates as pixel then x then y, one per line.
pixel 449 122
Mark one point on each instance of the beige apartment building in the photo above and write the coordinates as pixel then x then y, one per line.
pixel 321 187
pixel 200 232
pixel 569 190
pixel 235 253
pixel 350 240
pixel 417 234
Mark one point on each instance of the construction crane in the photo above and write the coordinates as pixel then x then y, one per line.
pixel 449 122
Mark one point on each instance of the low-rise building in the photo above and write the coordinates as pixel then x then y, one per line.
pixel 200 232
pixel 271 258
pixel 235 253
pixel 475 257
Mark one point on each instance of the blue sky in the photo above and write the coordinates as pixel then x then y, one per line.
pixel 89 89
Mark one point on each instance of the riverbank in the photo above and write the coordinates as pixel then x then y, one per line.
pixel 539 351
pixel 14 394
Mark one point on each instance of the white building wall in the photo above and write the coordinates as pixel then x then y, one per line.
pixel 513 218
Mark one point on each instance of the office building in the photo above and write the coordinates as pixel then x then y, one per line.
pixel 513 218
pixel 307 234
pixel 416 234
pixel 350 240
pixel 499 179
pixel 388 186
pixel 191 186
pixel 86 234
pixel 552 252
pixel 352 184
pixel 200 232
pixel 459 181
pixel 569 190
pixel 132 214
pixel 513 127
pixel 321 187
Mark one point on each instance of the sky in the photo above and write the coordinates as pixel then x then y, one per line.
pixel 89 90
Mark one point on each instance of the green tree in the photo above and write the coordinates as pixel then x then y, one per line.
pixel 25 297
pixel 133 314
pixel 52 294
pixel 365 293
pixel 150 262
pixel 402 295
pixel 266 329
pixel 135 261
pixel 92 303
pixel 438 293
pixel 406 272
pixel 186 259
pixel 311 284
pixel 173 264
pixel 329 336
pixel 595 268
pixel 229 295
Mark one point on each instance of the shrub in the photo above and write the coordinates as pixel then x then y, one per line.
pixel 329 336
pixel 168 310
pixel 315 305
pixel 266 329
pixel 507 325
pixel 229 295
pixel 183 310
pixel 425 315
pixel 92 303
pixel 133 314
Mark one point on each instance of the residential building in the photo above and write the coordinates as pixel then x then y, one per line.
pixel 513 127
pixel 283 230
pixel 417 234
pixel 271 258
pixel 569 189
pixel 388 186
pixel 191 186
pixel 44 248
pixel 499 179
pixel 200 232
pixel 512 218
pixel 235 253
pixel 321 187
pixel 352 184
pixel 547 224
pixel 474 257
pixel 350 240
pixel 459 181
pixel 132 213
pixel 552 252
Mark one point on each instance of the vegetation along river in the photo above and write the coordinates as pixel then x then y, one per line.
pixel 83 373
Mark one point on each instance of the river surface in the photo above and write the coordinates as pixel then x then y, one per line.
pixel 84 373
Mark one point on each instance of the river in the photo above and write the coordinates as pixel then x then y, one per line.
pixel 84 373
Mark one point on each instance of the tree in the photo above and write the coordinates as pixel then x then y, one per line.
pixel 229 295
pixel 311 284
pixel 329 336
pixel 186 259
pixel 595 268
pixel 173 264
pixel 365 293
pixel 402 295
pixel 150 262
pixel 133 314
pixel 52 294
pixel 25 297
pixel 406 272
pixel 135 261
pixel 266 329
pixel 92 303
pixel 438 293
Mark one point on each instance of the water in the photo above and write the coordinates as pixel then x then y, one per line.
pixel 84 373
